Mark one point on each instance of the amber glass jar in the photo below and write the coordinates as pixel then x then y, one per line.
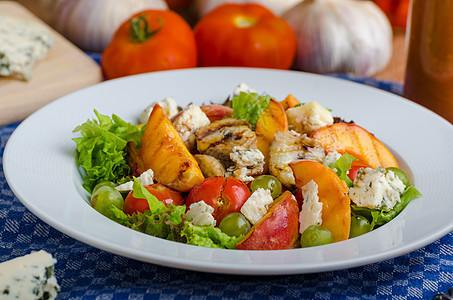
pixel 429 73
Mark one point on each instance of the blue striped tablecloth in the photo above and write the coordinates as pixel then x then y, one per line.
pixel 85 272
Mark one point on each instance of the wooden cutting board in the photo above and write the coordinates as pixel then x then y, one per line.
pixel 65 69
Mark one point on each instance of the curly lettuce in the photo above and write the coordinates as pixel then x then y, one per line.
pixel 101 150
pixel 249 106
pixel 342 166
pixel 168 222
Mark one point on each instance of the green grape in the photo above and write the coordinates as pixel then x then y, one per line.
pixel 315 235
pixel 102 183
pixel 235 224
pixel 401 175
pixel 359 226
pixel 104 197
pixel 267 182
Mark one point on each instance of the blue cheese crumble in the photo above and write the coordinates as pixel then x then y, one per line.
pixel 200 214
pixel 376 189
pixel 248 162
pixel 22 43
pixel 257 205
pixel 29 277
pixel 311 211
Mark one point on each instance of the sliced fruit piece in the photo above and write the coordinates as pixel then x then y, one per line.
pixel 277 229
pixel 164 151
pixel 289 102
pixel 332 192
pixel 216 112
pixel 357 141
pixel 273 119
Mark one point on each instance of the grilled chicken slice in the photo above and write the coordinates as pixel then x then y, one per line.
pixel 220 137
pixel 289 146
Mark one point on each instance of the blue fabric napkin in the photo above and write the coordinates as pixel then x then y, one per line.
pixel 85 272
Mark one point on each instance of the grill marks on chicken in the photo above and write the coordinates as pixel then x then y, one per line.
pixel 220 137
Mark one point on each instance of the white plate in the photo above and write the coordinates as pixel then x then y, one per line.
pixel 40 168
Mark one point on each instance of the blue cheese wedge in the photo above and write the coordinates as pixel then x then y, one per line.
pixel 29 277
pixel 22 43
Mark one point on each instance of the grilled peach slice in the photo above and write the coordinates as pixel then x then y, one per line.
pixel 332 192
pixel 289 102
pixel 277 229
pixel 273 119
pixel 164 151
pixel 357 141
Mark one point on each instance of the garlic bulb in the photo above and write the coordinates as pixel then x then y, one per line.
pixel 90 24
pixel 340 36
pixel 277 6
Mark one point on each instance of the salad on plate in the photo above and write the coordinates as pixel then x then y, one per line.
pixel 253 173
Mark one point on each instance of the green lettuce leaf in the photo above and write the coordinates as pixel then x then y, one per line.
pixel 168 222
pixel 249 106
pixel 208 236
pixel 380 217
pixel 342 166
pixel 140 192
pixel 160 220
pixel 101 149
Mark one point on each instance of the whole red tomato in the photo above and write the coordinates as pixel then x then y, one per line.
pixel 225 195
pixel 396 10
pixel 178 4
pixel 162 193
pixel 151 40
pixel 247 35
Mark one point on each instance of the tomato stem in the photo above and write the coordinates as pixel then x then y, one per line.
pixel 139 29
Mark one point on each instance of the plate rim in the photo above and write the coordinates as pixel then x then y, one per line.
pixel 224 268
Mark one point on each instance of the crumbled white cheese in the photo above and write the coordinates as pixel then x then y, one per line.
pixel 29 277
pixel 169 107
pixel 376 189
pixel 242 87
pixel 311 212
pixel 188 122
pixel 331 158
pixel 22 43
pixel 257 205
pixel 146 178
pixel 200 214
pixel 247 162
pixel 308 117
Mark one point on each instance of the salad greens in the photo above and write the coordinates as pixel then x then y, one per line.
pixel 380 217
pixel 168 222
pixel 249 106
pixel 101 149
pixel 342 166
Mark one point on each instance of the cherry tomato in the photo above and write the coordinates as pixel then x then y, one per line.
pixel 162 193
pixel 151 40
pixel 225 195
pixel 247 35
